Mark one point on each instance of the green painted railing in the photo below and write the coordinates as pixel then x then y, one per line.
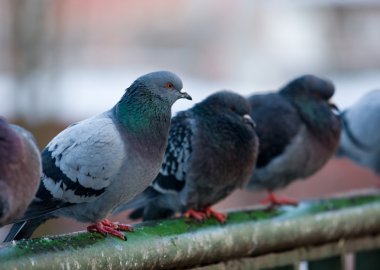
pixel 327 234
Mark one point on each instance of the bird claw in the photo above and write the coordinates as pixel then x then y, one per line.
pixel 125 228
pixel 106 227
pixel 207 212
pixel 197 215
pixel 118 226
pixel 217 215
pixel 274 200
pixel 95 228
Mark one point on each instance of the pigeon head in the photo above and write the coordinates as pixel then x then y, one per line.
pixel 231 104
pixel 164 84
pixel 309 89
pixel 311 96
pixel 147 103
pixel 309 86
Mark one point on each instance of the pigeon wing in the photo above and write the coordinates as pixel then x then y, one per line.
pixel 268 111
pixel 79 164
pixel 172 176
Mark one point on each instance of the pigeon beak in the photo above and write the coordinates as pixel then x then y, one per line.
pixel 248 120
pixel 185 95
pixel 334 108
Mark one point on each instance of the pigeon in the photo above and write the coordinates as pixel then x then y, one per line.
pixel 298 129
pixel 20 170
pixel 97 164
pixel 360 137
pixel 212 151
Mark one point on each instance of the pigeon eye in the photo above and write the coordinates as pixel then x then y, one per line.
pixel 169 86
pixel 318 95
pixel 233 109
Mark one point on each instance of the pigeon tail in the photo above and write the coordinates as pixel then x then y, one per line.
pixel 25 229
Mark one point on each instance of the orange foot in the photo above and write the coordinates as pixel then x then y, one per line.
pixel 197 215
pixel 217 215
pixel 106 227
pixel 205 213
pixel 273 200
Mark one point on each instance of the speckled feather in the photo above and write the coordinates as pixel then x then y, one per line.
pixel 297 129
pixel 173 170
pixel 212 151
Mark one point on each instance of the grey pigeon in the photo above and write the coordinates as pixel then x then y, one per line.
pixel 212 151
pixel 298 132
pixel 20 171
pixel 97 164
pixel 360 137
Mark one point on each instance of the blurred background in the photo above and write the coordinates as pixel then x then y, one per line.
pixel 65 60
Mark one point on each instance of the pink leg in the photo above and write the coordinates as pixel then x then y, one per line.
pixel 106 227
pixel 217 215
pixel 197 215
pixel 274 200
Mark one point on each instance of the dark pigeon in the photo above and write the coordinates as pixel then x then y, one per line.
pixel 212 151
pixel 298 132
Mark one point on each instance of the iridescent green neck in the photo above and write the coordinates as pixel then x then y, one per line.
pixel 142 112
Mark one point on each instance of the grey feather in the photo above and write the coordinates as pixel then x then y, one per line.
pixel 212 151
pixel 97 164
pixel 297 129
pixel 363 124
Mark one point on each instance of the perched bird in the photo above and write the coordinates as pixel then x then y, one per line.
pixel 212 151
pixel 95 165
pixel 20 171
pixel 298 133
pixel 360 137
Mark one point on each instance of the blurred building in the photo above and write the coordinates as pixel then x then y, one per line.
pixel 69 50
pixel 64 60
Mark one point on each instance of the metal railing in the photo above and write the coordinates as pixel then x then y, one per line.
pixel 334 233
